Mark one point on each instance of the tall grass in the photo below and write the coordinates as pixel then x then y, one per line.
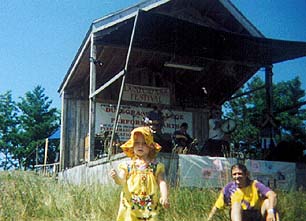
pixel 27 196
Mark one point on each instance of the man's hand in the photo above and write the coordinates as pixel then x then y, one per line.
pixel 270 216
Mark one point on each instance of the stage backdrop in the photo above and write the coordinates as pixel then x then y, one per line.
pixel 132 116
pixel 204 171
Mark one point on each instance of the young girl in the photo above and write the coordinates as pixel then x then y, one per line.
pixel 142 178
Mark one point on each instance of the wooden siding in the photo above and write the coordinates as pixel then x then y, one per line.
pixel 200 126
pixel 76 129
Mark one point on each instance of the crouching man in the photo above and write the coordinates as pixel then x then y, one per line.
pixel 249 200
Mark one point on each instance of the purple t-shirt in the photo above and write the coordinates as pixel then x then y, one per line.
pixel 250 197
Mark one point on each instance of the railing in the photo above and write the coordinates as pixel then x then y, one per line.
pixel 50 170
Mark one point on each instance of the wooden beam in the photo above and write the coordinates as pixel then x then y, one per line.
pixel 46 155
pixel 122 87
pixel 247 92
pixel 75 63
pixel 292 108
pixel 268 82
pixel 63 132
pixel 92 103
pixel 46 150
pixel 108 83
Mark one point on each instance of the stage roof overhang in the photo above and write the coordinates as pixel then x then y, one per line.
pixel 165 34
pixel 228 59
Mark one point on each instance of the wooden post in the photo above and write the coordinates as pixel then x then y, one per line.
pixel 268 79
pixel 268 130
pixel 62 157
pixel 46 154
pixel 92 100
pixel 36 157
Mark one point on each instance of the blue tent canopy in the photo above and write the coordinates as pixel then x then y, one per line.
pixel 55 135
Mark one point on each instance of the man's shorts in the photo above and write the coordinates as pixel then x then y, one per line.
pixel 251 215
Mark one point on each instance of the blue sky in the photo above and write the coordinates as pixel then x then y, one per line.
pixel 39 38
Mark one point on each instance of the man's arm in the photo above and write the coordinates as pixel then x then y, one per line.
pixel 272 199
pixel 218 204
pixel 269 203
pixel 236 211
pixel 212 213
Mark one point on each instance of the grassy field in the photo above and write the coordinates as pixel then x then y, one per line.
pixel 27 196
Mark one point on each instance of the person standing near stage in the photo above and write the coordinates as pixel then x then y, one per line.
pixel 215 123
pixel 216 142
pixel 249 200
pixel 156 119
pixel 142 179
pixel 181 139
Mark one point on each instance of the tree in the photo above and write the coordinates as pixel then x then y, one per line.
pixel 8 129
pixel 37 122
pixel 248 111
pixel 287 108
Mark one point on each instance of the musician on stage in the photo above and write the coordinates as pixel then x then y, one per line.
pixel 216 140
pixel 215 123
pixel 181 139
pixel 157 119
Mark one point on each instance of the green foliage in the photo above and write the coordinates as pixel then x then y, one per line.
pixel 289 95
pixel 37 120
pixel 8 129
pixel 293 205
pixel 248 110
pixel 27 196
pixel 24 127
pixel 192 204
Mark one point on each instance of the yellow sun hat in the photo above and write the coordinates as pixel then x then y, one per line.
pixel 128 147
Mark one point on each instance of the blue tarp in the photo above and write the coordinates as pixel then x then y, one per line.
pixel 55 135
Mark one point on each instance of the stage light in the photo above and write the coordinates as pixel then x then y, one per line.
pixel 183 66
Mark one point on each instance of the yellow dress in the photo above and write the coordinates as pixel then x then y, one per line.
pixel 139 198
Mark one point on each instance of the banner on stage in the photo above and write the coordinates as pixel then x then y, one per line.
pixel 146 94
pixel 132 116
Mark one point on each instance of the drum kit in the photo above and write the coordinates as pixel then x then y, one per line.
pixel 192 148
pixel 166 139
pixel 228 126
pixel 102 143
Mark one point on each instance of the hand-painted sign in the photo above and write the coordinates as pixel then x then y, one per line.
pixel 146 94
pixel 133 116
